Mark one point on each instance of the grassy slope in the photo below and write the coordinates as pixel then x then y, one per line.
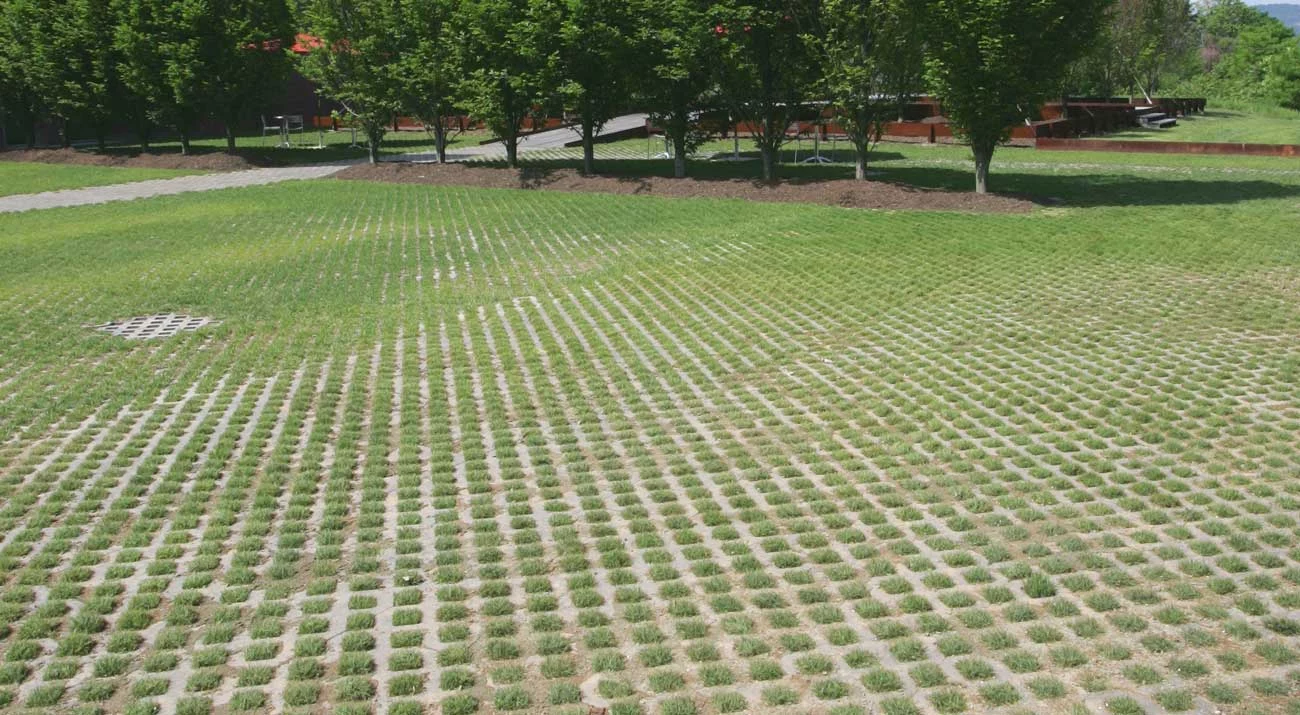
pixel 1221 125
pixel 18 177
pixel 1056 450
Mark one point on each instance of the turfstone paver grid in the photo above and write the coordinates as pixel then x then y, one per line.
pixel 745 473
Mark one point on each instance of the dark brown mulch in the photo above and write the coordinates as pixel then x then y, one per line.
pixel 212 161
pixel 838 192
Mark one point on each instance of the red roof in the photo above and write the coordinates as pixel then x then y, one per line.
pixel 304 43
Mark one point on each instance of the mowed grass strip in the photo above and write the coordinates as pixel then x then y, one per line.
pixel 505 451
pixel 17 177
pixel 1257 126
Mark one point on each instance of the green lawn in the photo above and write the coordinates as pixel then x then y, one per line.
pixel 1222 125
pixel 458 451
pixel 17 177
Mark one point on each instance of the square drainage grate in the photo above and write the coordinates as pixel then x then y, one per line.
pixel 149 327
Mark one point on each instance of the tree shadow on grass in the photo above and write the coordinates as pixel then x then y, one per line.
pixel 1078 190
pixel 1099 190
pixel 699 169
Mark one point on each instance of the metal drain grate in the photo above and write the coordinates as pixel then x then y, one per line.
pixel 149 327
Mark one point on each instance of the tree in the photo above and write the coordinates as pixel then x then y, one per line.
pixel 767 67
pixel 1227 19
pixel 356 60
pixel 1283 83
pixel 680 51
pixel 86 85
pixel 596 50
pixel 1260 67
pixel 992 61
pixel 873 58
pixel 511 63
pixel 29 73
pixel 1250 57
pixel 166 49
pixel 428 70
pixel 249 59
pixel 1148 38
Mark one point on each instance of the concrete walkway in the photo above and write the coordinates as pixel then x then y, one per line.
pixel 164 187
pixel 549 139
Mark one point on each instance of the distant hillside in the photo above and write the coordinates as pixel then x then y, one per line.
pixel 1288 13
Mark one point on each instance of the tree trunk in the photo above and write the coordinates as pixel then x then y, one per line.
pixel 440 140
pixel 65 137
pixel 185 142
pixel 679 155
pixel 374 137
pixel 588 147
pixel 512 151
pixel 769 162
pixel 983 157
pixel 860 163
pixel 230 138
pixel 101 137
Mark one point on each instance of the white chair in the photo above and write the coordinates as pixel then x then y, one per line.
pixel 269 127
pixel 294 123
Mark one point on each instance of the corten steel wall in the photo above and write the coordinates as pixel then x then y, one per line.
pixel 1157 147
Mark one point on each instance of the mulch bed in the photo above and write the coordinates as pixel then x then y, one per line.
pixel 208 161
pixel 842 192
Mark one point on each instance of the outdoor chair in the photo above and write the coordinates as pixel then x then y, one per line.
pixel 294 123
pixel 269 127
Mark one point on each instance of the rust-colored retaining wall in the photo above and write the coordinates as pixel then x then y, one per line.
pixel 1155 147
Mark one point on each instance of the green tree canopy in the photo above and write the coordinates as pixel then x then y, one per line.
pixel 510 53
pixel 88 86
pixel 873 53
pixel 29 67
pixel 768 68
pixel 680 50
pixel 428 70
pixel 166 49
pixel 597 52
pixel 250 59
pixel 356 60
pixel 991 62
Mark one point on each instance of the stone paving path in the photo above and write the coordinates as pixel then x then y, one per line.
pixel 551 139
pixel 163 187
